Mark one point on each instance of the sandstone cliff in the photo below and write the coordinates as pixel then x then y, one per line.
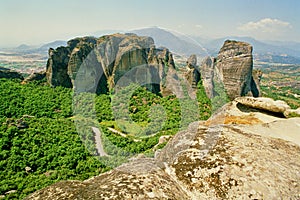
pixel 207 71
pixel 233 68
pixel 192 74
pixel 97 64
pixel 236 154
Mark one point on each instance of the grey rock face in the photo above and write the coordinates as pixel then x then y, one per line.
pixel 233 68
pixel 255 83
pixel 192 74
pixel 57 67
pixel 192 61
pixel 235 64
pixel 91 64
pixel 207 75
pixel 99 63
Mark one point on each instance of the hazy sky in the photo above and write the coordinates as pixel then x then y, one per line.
pixel 39 21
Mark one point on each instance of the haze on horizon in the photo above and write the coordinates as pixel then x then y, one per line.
pixel 34 22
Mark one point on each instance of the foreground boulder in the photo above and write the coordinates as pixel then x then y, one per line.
pixel 234 155
pixel 278 107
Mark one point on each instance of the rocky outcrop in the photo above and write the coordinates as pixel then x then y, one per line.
pixel 278 107
pixel 99 64
pixel 140 179
pixel 192 62
pixel 57 65
pixel 233 70
pixel 234 66
pixel 292 112
pixel 7 73
pixel 35 76
pixel 264 103
pixel 255 82
pixel 192 74
pixel 207 75
pixel 236 154
pixel 162 61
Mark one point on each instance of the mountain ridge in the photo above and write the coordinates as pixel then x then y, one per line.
pixel 285 52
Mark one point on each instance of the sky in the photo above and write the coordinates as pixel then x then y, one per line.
pixel 35 22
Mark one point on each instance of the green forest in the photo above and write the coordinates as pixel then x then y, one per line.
pixel 42 143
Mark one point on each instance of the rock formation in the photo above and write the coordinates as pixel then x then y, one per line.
pixel 56 70
pixel 96 65
pixel 35 76
pixel 278 107
pixel 207 75
pixel 162 61
pixel 192 74
pixel 234 66
pixel 236 154
pixel 255 83
pixel 7 73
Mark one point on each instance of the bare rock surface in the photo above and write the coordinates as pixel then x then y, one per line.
pixel 292 112
pixel 234 66
pixel 207 75
pixel 99 64
pixel 140 179
pixel 269 105
pixel 286 129
pixel 192 74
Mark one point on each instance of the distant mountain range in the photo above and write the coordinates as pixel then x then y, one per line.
pixel 179 44
pixel 53 45
pixel 271 52
pixel 259 47
pixel 43 49
pixel 264 51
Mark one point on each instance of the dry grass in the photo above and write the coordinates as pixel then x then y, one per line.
pixel 229 119
pixel 246 119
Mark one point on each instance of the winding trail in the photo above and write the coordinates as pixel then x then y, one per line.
pixel 99 145
pixel 116 131
pixel 121 134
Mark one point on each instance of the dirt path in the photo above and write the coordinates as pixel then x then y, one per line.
pixel 116 131
pixel 98 141
pixel 121 134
